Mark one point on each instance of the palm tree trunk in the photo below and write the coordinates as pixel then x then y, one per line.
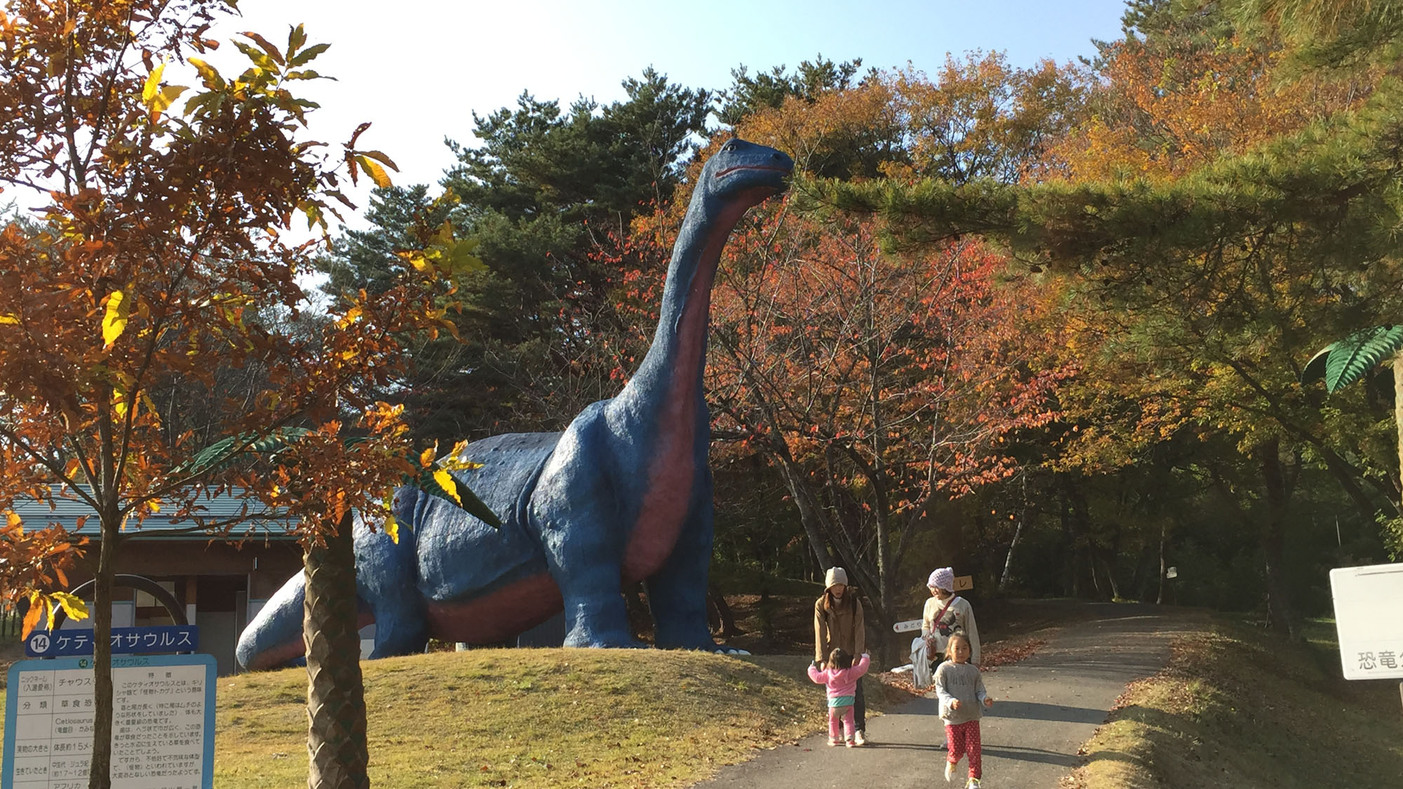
pixel 336 745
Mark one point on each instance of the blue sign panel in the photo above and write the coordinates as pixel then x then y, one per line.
pixel 125 640
pixel 162 723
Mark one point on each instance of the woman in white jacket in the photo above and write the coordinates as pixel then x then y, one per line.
pixel 945 614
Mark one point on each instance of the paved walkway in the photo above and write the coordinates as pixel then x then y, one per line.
pixel 1045 708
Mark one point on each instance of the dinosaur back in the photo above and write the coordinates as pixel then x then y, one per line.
pixel 460 557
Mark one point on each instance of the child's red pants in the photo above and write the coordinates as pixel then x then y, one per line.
pixel 962 739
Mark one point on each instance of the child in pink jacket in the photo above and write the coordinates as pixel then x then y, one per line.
pixel 841 678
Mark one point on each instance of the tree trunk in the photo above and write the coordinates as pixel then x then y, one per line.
pixel 1398 411
pixel 1008 557
pixel 338 757
pixel 1163 563
pixel 100 768
pixel 1280 615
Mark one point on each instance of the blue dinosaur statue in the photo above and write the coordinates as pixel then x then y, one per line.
pixel 624 494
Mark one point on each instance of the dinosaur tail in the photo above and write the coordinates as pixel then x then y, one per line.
pixel 274 638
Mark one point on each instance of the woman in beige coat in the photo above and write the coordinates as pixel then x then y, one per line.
pixel 838 623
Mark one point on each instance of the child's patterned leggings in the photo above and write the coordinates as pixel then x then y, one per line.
pixel 838 717
pixel 963 740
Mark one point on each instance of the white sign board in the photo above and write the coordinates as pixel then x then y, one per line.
pixel 162 723
pixel 907 626
pixel 1367 601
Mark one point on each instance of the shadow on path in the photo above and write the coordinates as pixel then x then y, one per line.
pixel 1034 710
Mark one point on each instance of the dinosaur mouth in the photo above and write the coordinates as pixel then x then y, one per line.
pixel 759 167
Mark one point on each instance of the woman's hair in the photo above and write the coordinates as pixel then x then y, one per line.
pixel 849 600
pixel 950 645
pixel 840 658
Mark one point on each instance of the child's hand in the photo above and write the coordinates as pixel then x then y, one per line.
pixel 988 702
pixel 955 705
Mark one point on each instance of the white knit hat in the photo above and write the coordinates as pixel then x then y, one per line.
pixel 944 578
pixel 835 576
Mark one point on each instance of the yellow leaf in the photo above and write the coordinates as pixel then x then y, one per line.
pixel 153 505
pixel 8 320
pixel 392 528
pixel 449 485
pixel 427 456
pixel 114 322
pixel 158 99
pixel 207 73
pixel 375 171
pixel 37 604
pixel 119 399
pixel 352 315
pixel 152 88
pixel 73 605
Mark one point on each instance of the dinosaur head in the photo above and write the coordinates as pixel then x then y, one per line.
pixel 745 173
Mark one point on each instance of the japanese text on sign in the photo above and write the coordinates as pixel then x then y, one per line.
pixel 125 640
pixel 1366 618
pixel 162 723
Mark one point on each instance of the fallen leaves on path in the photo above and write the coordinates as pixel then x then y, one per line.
pixel 1007 654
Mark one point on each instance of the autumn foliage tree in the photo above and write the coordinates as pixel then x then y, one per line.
pixel 1216 209
pixel 874 384
pixel 159 256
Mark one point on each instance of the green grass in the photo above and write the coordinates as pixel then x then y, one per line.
pixel 1240 707
pixel 529 718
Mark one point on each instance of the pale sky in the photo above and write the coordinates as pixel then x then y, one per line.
pixel 419 69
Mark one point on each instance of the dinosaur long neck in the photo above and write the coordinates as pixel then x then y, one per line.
pixel 670 376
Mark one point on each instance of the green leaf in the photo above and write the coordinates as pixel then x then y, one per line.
pixel 307 55
pixel 259 58
pixel 465 498
pixel 228 449
pixel 1349 359
pixel 296 37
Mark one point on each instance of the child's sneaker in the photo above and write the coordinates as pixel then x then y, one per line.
pixel 973 784
pixel 832 742
pixel 950 770
pixel 861 738
pixel 852 744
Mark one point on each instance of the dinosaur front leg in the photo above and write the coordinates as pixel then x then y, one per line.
pixel 677 592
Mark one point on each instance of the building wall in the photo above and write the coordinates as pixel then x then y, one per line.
pixel 219 584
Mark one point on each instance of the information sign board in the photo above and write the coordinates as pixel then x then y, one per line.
pixel 1370 630
pixel 125 640
pixel 162 723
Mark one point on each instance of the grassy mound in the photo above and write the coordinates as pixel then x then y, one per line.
pixel 1239 707
pixel 529 718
